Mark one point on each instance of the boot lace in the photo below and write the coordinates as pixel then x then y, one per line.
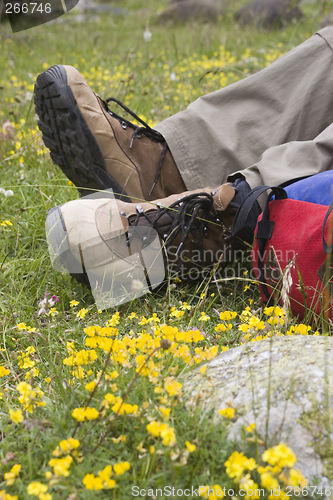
pixel 190 214
pixel 145 129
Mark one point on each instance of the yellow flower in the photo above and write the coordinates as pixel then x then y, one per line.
pixel 211 492
pixel 74 303
pixel 45 496
pixel 154 428
pixel 53 311
pixel 296 478
pixel 152 450
pixel 91 482
pixel 280 455
pixel 12 475
pixel 140 447
pixel 69 444
pixel 173 387
pixel 119 439
pixel 3 371
pixel 237 463
pixel 91 386
pixel 175 313
pixel 227 412
pixel 105 476
pixel 203 369
pixel 190 447
pixel 204 316
pixel 7 496
pixel 251 427
pixel 16 416
pixel 36 488
pixel 247 484
pixel 268 481
pixel 21 326
pixel 165 412
pixel 61 465
pixel 82 313
pixel 299 330
pixel 82 414
pixel 185 306
pixel 168 436
pixel 121 468
pixel 114 320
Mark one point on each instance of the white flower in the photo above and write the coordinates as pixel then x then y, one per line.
pixel 173 76
pixel 136 286
pixel 147 34
pixel 8 193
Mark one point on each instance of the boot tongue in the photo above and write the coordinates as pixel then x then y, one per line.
pixel 223 196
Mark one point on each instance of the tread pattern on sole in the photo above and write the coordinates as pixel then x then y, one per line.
pixel 66 134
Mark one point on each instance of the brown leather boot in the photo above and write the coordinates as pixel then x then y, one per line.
pixel 96 148
pixel 112 241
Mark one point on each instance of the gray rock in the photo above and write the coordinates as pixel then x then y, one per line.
pixel 269 13
pixel 185 10
pixel 285 386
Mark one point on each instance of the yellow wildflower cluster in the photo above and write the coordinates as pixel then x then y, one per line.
pixel 211 492
pixel 16 416
pixel 275 315
pixel 82 414
pixel 79 358
pixel 29 397
pixel 299 330
pixel 131 351
pixel 24 359
pixel 5 223
pixel 163 430
pixel 61 465
pixel 227 412
pixel 4 371
pixel 281 460
pixel 39 490
pixel 66 446
pixel 6 496
pixel 103 479
pixel 12 475
pixel 27 328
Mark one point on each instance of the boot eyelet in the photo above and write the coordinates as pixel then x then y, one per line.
pixel 139 136
pixel 124 125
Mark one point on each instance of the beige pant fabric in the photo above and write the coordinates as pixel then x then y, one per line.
pixel 273 126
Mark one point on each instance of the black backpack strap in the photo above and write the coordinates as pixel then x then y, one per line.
pixel 265 226
pixel 292 181
pixel 239 228
pixel 327 248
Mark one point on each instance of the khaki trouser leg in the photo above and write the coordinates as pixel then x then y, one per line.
pixel 272 126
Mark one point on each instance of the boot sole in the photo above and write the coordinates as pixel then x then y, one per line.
pixel 66 134
pixel 57 239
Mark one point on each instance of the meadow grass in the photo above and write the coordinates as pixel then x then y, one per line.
pixel 57 363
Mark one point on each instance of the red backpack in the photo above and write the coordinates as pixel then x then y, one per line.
pixel 291 258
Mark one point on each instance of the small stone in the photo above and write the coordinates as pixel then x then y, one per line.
pixel 269 14
pixel 186 10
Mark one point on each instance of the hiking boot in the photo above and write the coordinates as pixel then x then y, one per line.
pixel 108 240
pixel 96 148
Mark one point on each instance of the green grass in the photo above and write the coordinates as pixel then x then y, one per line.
pixel 115 59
